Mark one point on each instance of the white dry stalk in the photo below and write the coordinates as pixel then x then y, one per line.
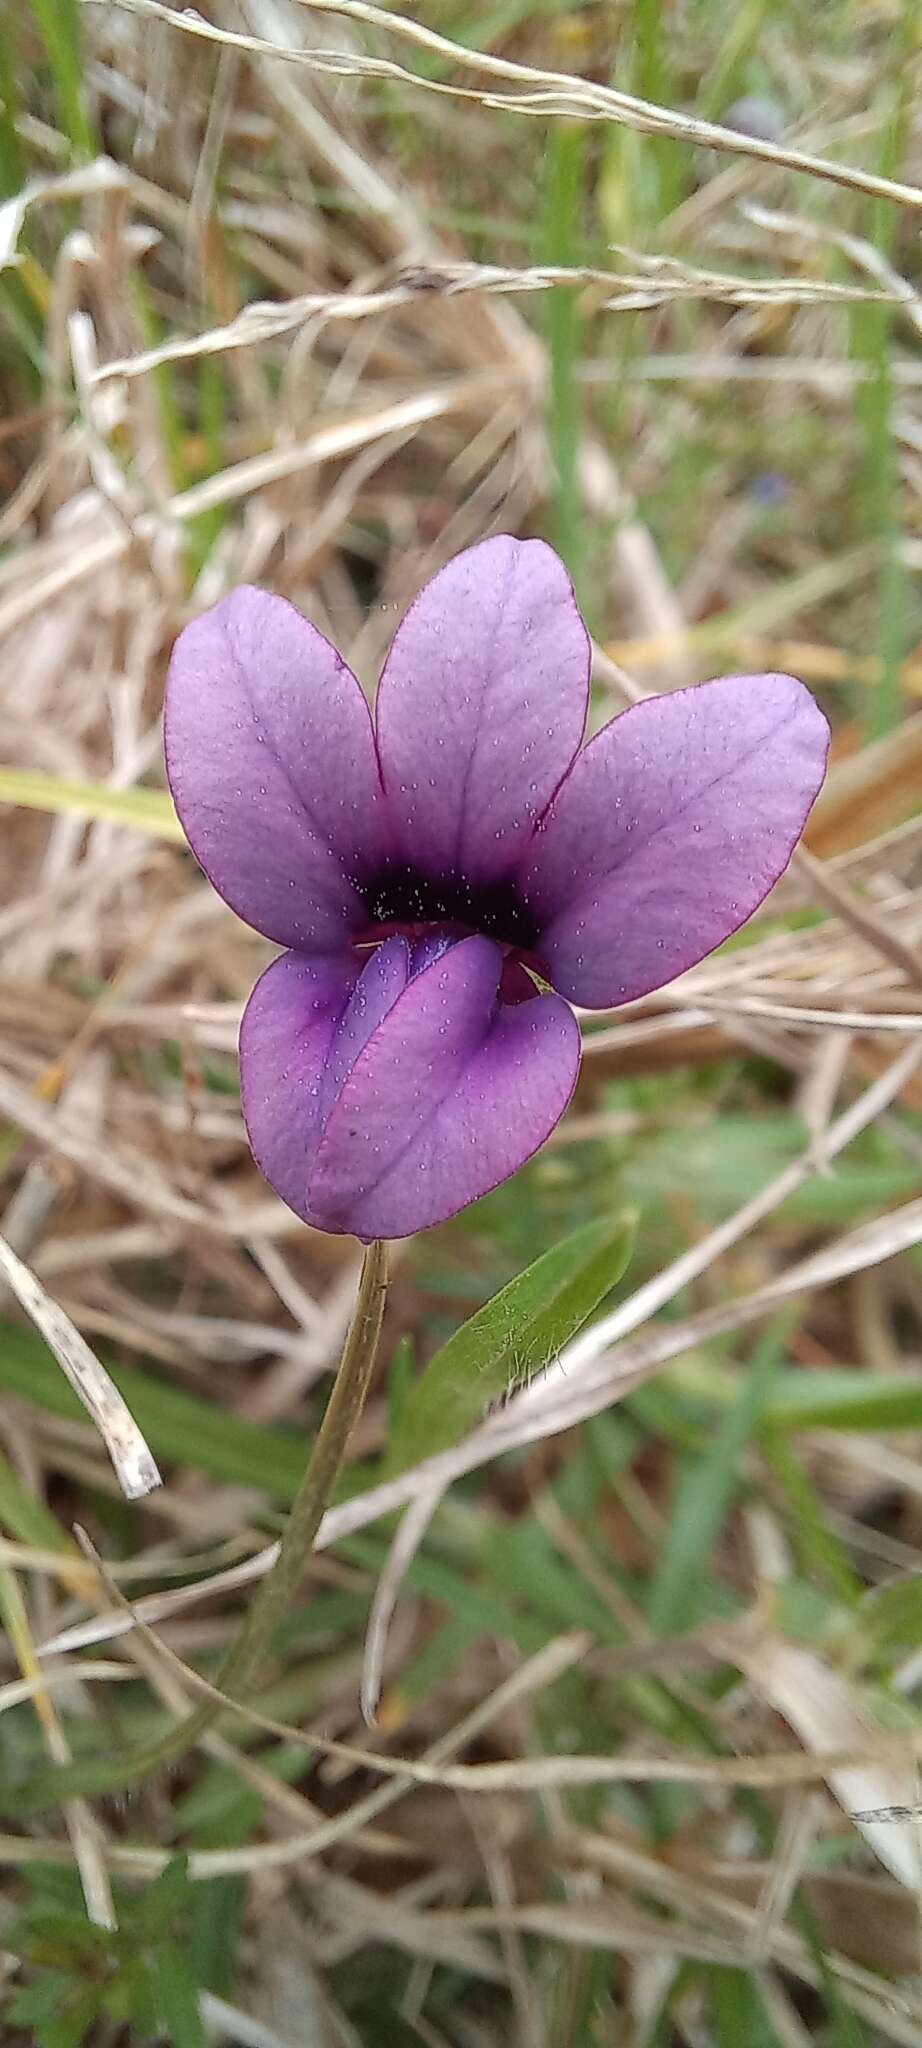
pixel 135 1468
pixel 549 94
pixel 81 1672
pixel 228 2023
pixel 407 1539
pixel 267 320
pixel 822 1020
pixel 863 254
pixel 89 181
pixel 827 1714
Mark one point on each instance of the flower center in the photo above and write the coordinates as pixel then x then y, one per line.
pixel 401 899
pixel 441 910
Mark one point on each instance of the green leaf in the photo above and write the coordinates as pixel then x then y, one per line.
pixel 145 810
pixel 707 1488
pixel 63 1940
pixel 399 1385
pixel 71 2027
pixel 567 158
pixel 512 1337
pixel 177 1424
pixel 838 1399
pixel 738 2012
pixel 162 1901
pixel 39 2002
pixel 59 23
pixel 26 1517
pixel 217 1912
pixel 821 1552
pixel 893 1614
pixel 177 1997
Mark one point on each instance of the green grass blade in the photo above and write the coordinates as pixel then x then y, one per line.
pixel 562 199
pixel 738 2012
pixel 178 1426
pixel 176 1996
pixel 653 81
pixel 823 1558
pixel 59 25
pixel 706 1492
pixel 12 160
pixel 145 810
pixel 26 1518
pixel 872 339
pixel 846 1400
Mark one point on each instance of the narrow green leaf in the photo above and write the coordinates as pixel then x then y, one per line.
pixel 12 159
pixel 72 2025
pixel 38 2003
pixel 52 1935
pixel 654 43
pixel 846 1400
pixel 706 1491
pixel 215 1919
pixel 177 1425
pixel 27 1518
pixel 512 1337
pixel 562 201
pixel 892 1614
pixel 737 2009
pixel 399 1384
pixel 823 1557
pixel 162 1901
pixel 59 23
pixel 177 1997
pixel 145 810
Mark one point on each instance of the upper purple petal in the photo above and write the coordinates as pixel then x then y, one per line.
pixel 481 708
pixel 271 760
pixel 671 827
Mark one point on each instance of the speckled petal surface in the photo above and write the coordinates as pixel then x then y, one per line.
pixel 288 1033
pixel 672 826
pixel 481 707
pixel 271 760
pixel 384 976
pixel 451 1094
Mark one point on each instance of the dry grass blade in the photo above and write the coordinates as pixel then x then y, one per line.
pixel 818 1703
pixel 546 94
pixel 263 321
pixel 404 1547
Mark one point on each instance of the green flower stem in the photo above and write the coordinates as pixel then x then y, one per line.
pixel 275 1592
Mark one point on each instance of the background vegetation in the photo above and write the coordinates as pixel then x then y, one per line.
pixel 314 295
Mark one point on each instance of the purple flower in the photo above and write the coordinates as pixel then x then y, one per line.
pixel 399 1059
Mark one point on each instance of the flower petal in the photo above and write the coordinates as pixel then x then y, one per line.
pixel 271 761
pixel 383 978
pixel 288 1033
pixel 452 1093
pixel 670 829
pixel 481 708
